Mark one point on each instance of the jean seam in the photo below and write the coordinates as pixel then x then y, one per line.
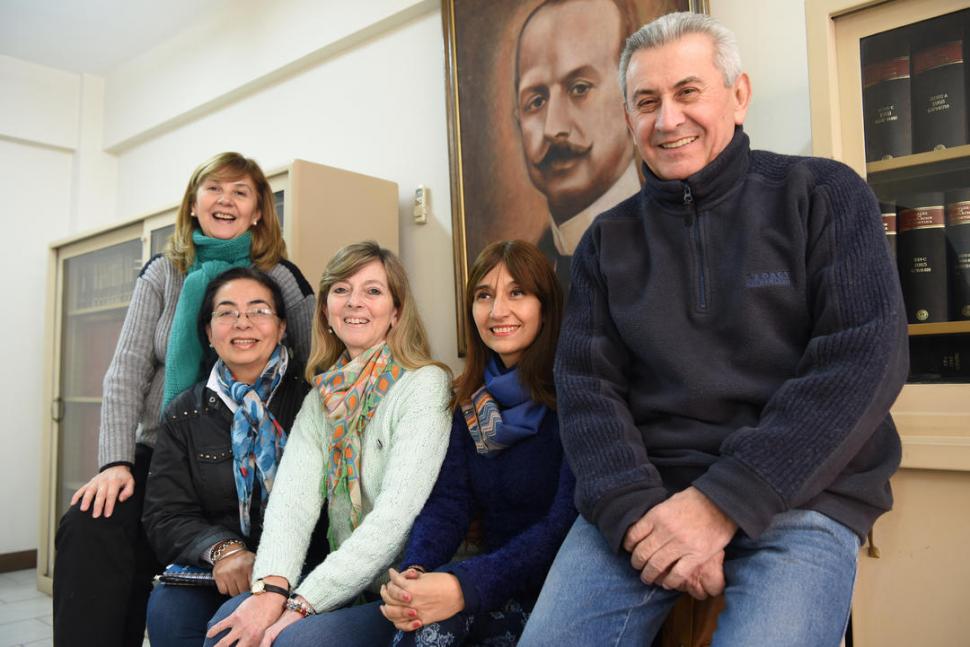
pixel 650 592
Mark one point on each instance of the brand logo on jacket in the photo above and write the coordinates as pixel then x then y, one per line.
pixel 767 279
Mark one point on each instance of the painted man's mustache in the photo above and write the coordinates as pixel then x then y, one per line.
pixel 562 151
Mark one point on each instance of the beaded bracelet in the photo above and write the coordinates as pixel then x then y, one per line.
pixel 221 549
pixel 296 603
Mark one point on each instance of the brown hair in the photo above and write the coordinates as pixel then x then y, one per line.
pixel 267 248
pixel 407 340
pixel 534 274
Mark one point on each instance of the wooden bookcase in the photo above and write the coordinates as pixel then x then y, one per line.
pixel 915 592
pixel 90 280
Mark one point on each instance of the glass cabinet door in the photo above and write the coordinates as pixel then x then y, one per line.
pixel 914 91
pixel 96 290
pixel 159 238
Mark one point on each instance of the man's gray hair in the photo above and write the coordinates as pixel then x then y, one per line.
pixel 672 26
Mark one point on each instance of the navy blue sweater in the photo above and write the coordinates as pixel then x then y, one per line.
pixel 523 499
pixel 743 332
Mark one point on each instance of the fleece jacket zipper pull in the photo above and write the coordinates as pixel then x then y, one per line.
pixel 689 203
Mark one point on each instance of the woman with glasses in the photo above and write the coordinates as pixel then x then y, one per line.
pixel 103 564
pixel 368 442
pixel 217 453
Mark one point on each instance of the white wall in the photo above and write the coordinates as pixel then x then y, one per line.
pixel 53 174
pixel 36 184
pixel 40 104
pixel 376 108
pixel 359 85
pixel 774 53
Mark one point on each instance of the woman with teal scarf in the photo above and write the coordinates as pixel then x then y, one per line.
pixel 103 564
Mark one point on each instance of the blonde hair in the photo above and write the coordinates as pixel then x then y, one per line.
pixel 267 248
pixel 407 339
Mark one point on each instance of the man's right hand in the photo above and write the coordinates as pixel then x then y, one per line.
pixel 113 484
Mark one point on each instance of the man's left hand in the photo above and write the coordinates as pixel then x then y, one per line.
pixel 670 543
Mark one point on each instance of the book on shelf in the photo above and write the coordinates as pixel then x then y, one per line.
pixel 958 252
pixel 888 212
pixel 939 100
pixel 939 357
pixel 886 104
pixel 104 278
pixel 922 256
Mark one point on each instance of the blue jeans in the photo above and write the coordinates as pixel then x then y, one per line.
pixel 359 626
pixel 792 587
pixel 499 628
pixel 178 616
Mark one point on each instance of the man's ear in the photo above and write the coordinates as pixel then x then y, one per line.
pixel 741 94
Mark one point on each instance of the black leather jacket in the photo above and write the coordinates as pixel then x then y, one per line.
pixel 190 500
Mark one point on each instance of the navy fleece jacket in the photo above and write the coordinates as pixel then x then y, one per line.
pixel 743 332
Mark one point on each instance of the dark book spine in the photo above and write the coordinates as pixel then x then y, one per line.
pixel 958 252
pixel 936 357
pixel 888 210
pixel 886 108
pixel 939 97
pixel 922 258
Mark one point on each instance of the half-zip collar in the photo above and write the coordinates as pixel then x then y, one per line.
pixel 707 186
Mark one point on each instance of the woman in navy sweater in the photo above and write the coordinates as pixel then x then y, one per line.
pixel 504 477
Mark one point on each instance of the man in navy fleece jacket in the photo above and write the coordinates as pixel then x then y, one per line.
pixel 733 341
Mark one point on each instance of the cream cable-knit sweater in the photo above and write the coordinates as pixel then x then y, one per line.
pixel 402 449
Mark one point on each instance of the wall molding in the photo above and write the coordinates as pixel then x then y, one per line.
pixel 18 561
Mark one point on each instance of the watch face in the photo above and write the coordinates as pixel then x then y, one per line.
pixel 258 587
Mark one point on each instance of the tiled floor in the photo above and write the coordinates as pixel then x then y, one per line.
pixel 25 612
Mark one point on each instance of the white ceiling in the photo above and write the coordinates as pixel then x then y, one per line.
pixel 92 36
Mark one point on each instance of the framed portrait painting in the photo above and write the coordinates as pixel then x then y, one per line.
pixel 537 138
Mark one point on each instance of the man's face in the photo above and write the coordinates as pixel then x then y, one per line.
pixel 569 104
pixel 678 108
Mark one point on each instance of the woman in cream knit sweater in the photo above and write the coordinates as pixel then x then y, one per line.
pixel 368 442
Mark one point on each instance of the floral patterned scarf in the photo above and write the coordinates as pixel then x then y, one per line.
pixel 351 391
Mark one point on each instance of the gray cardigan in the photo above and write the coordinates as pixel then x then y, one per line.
pixel 132 400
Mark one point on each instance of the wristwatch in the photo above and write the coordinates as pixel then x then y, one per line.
pixel 261 586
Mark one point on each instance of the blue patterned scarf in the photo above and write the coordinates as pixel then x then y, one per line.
pixel 502 412
pixel 183 356
pixel 257 438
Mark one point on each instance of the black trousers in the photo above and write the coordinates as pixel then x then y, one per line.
pixel 103 570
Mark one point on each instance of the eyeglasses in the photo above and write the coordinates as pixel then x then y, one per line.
pixel 255 316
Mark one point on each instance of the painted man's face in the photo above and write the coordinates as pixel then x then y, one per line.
pixel 569 105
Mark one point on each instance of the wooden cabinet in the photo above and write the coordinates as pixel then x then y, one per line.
pixel 90 281
pixel 915 592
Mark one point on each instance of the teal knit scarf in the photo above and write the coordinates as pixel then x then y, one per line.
pixel 183 358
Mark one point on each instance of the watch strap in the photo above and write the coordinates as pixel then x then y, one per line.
pixel 262 586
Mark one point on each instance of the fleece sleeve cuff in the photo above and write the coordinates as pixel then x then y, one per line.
pixel 619 510
pixel 741 494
